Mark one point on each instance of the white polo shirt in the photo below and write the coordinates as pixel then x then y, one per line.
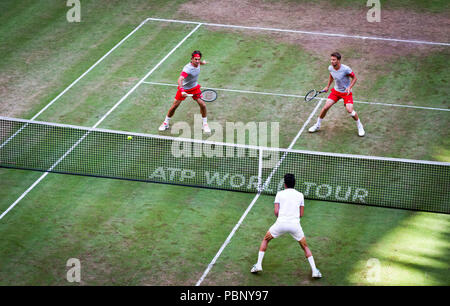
pixel 290 201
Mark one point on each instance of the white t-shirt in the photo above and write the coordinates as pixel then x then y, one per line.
pixel 290 201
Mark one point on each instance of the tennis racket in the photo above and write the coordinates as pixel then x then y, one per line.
pixel 312 94
pixel 209 95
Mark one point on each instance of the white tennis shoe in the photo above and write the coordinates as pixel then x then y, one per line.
pixel 164 126
pixel 316 274
pixel 361 131
pixel 256 268
pixel 206 129
pixel 314 128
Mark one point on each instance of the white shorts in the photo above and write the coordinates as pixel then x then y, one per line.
pixel 293 228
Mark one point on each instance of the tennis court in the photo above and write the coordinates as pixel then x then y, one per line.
pixel 137 233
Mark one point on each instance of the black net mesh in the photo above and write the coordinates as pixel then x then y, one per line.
pixel 396 183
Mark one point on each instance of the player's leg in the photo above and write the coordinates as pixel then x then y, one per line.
pixel 349 107
pixel 265 242
pixel 326 107
pixel 330 102
pixel 305 247
pixel 173 108
pixel 315 272
pixel 262 249
pixel 179 97
pixel 165 125
pixel 203 111
pixel 197 96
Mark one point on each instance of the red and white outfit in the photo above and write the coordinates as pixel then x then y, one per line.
pixel 190 84
pixel 342 82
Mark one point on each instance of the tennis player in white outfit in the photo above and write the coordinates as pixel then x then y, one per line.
pixel 289 208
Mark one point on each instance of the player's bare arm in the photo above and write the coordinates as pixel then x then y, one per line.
pixel 354 79
pixel 276 209
pixel 302 210
pixel 180 81
pixel 180 84
pixel 330 81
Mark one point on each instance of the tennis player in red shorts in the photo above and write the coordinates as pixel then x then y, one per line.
pixel 187 84
pixel 341 74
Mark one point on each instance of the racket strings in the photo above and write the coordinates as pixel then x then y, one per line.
pixel 311 95
pixel 209 95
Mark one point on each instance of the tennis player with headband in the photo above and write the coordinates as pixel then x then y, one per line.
pixel 187 84
pixel 341 74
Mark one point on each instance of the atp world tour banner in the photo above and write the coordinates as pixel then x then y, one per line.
pixel 387 182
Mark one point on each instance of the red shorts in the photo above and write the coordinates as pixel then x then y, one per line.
pixel 196 92
pixel 336 95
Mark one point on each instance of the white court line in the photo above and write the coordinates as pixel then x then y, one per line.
pixel 291 145
pixel 306 32
pixel 227 241
pixel 75 82
pixel 100 121
pixel 87 71
pixel 210 266
pixel 299 96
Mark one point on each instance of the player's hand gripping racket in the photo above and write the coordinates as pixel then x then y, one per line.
pixel 312 94
pixel 209 95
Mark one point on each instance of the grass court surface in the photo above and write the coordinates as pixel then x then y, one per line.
pixel 133 233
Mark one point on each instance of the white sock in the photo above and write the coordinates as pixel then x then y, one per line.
pixel 260 258
pixel 358 123
pixel 311 263
pixel 205 120
pixel 167 120
pixel 319 121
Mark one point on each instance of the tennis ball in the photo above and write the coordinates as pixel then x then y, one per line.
pixel 130 137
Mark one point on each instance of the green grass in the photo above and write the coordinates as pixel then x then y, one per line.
pixel 124 233
pixel 433 6
pixel 132 233
pixel 128 233
pixel 44 53
pixel 342 238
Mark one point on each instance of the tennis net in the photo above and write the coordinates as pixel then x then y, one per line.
pixel 367 180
